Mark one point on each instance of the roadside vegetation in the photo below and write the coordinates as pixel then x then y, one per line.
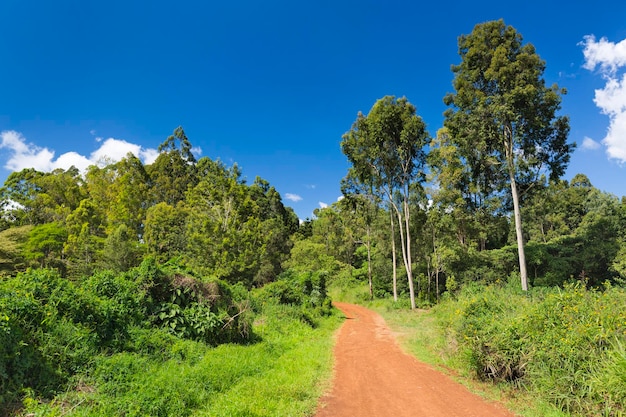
pixel 155 341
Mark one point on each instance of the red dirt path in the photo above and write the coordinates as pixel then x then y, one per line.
pixel 374 377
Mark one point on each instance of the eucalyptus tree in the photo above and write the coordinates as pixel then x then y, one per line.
pixel 386 148
pixel 165 230
pixel 366 194
pixel 504 118
pixel 128 196
pixel 173 173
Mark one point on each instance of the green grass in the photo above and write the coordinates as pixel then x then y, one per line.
pixel 283 374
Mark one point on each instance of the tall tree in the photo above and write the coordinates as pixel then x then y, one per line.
pixel 165 230
pixel 173 173
pixel 504 118
pixel 85 238
pixel 18 194
pixel 129 196
pixel 184 145
pixel 386 148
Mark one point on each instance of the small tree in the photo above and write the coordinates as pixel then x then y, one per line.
pixel 45 245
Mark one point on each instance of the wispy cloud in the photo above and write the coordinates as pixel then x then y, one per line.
pixel 322 204
pixel 196 150
pixel 590 144
pixel 293 197
pixel 610 58
pixel 24 154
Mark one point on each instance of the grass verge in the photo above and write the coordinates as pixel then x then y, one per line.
pixel 281 374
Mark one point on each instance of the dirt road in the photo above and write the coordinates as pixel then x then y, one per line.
pixel 373 377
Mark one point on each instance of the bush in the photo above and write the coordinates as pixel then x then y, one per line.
pixel 306 290
pixel 564 345
pixel 48 333
pixel 52 328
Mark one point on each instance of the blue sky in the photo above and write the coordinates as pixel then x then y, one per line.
pixel 273 85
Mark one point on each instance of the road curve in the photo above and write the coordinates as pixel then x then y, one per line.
pixel 374 377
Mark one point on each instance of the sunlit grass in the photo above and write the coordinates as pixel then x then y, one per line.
pixel 283 374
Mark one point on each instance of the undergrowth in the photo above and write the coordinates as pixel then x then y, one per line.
pixel 160 342
pixel 281 374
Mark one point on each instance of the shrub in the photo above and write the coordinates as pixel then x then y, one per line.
pixel 565 345
pixel 51 328
pixel 306 290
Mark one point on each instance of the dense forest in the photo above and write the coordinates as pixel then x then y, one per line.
pixel 92 262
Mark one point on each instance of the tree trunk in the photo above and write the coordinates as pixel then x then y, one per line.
pixel 409 269
pixel 436 265
pixel 407 265
pixel 516 210
pixel 520 235
pixel 393 256
pixel 429 274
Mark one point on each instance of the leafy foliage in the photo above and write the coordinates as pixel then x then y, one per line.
pixel 304 290
pixel 565 345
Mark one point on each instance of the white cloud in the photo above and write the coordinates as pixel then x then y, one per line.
pixel 610 57
pixel 23 154
pixel 293 197
pixel 196 150
pixel 323 205
pixel 148 156
pixel 590 144
pixel 72 158
pixel 341 197
pixel 114 150
pixel 14 141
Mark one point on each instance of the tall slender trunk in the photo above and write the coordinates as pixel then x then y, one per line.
pixel 516 208
pixel 404 242
pixel 408 251
pixel 429 275
pixel 518 231
pixel 405 258
pixel 393 256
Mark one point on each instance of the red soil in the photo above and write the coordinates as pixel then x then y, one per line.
pixel 374 377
